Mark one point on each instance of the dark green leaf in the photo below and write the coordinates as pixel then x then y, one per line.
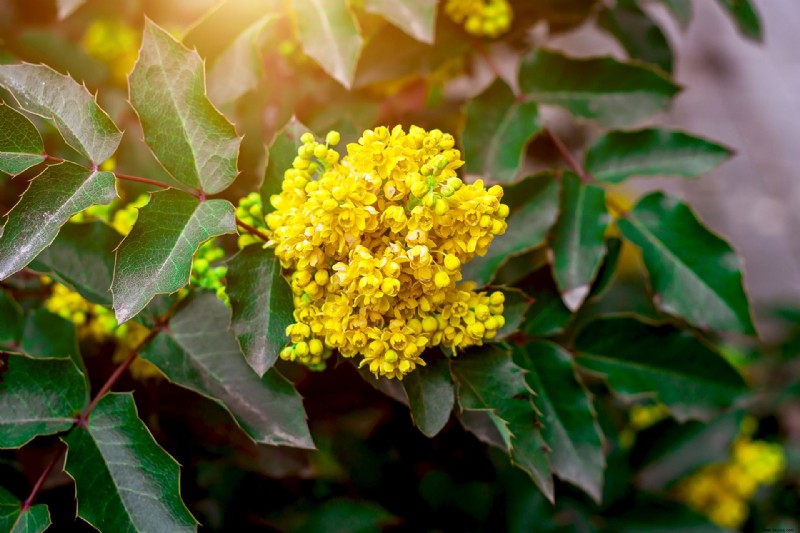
pixel 514 310
pixel 612 92
pixel 497 133
pixel 329 33
pixel 548 315
pixel 681 10
pixel 48 335
pixel 393 388
pixel 21 145
pixel 744 14
pixel 570 422
pixel 484 425
pixel 43 91
pixel 191 139
pixel 673 366
pixel 124 480
pixel 51 199
pixel 14 520
pixel 199 352
pixel 415 17
pixel 641 37
pixel 156 256
pixel 11 320
pixel 341 515
pixel 609 267
pixel 488 380
pixel 527 229
pixel 262 305
pixel 694 273
pixel 578 239
pixel 620 155
pixel 281 155
pixel 39 397
pixel 430 396
pixel 82 256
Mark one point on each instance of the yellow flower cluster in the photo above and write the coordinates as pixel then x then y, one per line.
pixel 114 43
pixel 482 18
pixel 722 491
pixel 374 243
pixel 644 416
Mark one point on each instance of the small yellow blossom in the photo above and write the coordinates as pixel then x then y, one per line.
pixel 482 18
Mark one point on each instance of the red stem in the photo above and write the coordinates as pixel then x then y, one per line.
pixel 39 482
pixel 567 155
pixel 252 229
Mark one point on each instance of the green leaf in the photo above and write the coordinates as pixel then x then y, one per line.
pixel 68 7
pixel 262 305
pixel 329 33
pixel 614 93
pixel 620 155
pixel 570 422
pixel 744 14
pixel 681 11
pixel 430 396
pixel 156 256
pixel 484 425
pixel 548 315
pixel 21 145
pixel 199 352
pixel 415 17
pixel 47 335
pixel 497 132
pixel 189 137
pixel 44 92
pixel 50 200
pixel 527 229
pixel 11 320
pixel 238 69
pixel 514 310
pixel 693 272
pixel 82 256
pixel 39 397
pixel 673 366
pixel 281 155
pixel 608 269
pixel 124 480
pixel 488 380
pixel 641 37
pixel 14 520
pixel 578 240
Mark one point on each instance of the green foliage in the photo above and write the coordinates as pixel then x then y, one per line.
pixel 430 396
pixel 20 143
pixel 637 33
pixel 14 520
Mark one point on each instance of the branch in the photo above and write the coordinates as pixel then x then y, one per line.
pixel 568 158
pixel 39 482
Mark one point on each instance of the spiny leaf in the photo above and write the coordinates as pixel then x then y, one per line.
pixel 262 305
pixel 430 396
pixel 694 273
pixel 497 132
pixel 614 93
pixel 570 422
pixel 641 37
pixel 199 352
pixel 52 198
pixel 156 257
pixel 124 480
pixel 329 33
pixel 189 137
pixel 744 14
pixel 43 91
pixel 677 369
pixel 620 155
pixel 21 145
pixel 415 17
pixel 39 397
pixel 578 239
pixel 14 520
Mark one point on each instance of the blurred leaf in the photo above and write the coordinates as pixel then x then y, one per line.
pixel 681 10
pixel 21 145
pixel 14 520
pixel 124 480
pixel 156 256
pixel 415 17
pixel 39 397
pixel 61 53
pixel 11 319
pixel 578 239
pixel 238 69
pixel 570 422
pixel 262 305
pixel 608 268
pixel 223 23
pixel 671 365
pixel 646 514
pixel 329 33
pixel 620 155
pixel 498 129
pixel 200 353
pixel 393 388
pixel 514 310
pixel 44 92
pixel 614 93
pixel 641 37
pixel 694 273
pixel 745 16
pixel 189 137
pixel 68 7
pixel 51 199
pixel 281 155
pixel 488 380
pixel 527 229
pixel 560 15
pixel 430 396
pixel 342 516
pixel 82 256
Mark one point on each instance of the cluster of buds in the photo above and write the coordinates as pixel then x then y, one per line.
pixel 482 18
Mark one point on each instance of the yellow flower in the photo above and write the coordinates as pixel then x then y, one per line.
pixel 482 18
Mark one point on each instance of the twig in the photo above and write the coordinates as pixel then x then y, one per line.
pixel 568 158
pixel 24 506
pixel 252 229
